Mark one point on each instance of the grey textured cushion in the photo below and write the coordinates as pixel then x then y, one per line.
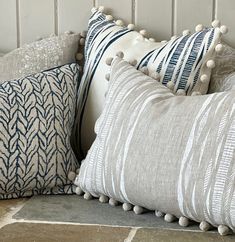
pixel 222 78
pixel 164 152
pixel 38 56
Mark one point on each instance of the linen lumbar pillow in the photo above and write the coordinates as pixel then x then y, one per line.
pixel 39 56
pixel 183 64
pixel 222 78
pixel 36 120
pixel 157 151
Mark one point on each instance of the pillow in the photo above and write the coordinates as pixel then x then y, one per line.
pixel 221 79
pixel 163 152
pixel 36 119
pixel 38 56
pixel 184 63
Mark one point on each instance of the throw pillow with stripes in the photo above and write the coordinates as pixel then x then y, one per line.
pixel 183 64
pixel 158 151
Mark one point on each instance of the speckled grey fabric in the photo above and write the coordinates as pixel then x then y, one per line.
pixel 38 56
pixel 223 75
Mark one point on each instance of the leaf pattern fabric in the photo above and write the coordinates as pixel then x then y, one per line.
pixel 36 120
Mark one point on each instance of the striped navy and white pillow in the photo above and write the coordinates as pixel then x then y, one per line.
pixel 182 62
pixel 36 120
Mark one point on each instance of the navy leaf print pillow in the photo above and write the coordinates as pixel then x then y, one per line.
pixel 36 120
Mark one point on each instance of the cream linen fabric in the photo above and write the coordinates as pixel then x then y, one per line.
pixel 164 152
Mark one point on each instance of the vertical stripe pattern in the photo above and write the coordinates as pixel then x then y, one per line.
pixel 175 154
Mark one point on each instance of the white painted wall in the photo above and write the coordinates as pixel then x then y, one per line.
pixel 23 21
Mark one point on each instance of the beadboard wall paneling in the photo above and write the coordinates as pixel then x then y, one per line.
pixel 8 25
pixel 189 13
pixel 122 9
pixel 24 21
pixel 156 17
pixel 73 15
pixel 225 11
pixel 36 19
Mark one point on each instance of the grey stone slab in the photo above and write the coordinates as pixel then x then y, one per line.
pixel 163 235
pixel 77 210
pixel 36 232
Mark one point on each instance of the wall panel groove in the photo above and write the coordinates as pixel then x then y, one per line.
pixel 18 23
pixel 133 12
pixel 214 10
pixel 56 17
pixel 173 19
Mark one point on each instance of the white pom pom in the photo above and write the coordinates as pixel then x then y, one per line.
pixel 127 207
pixel 159 214
pixel 83 34
pixel 174 37
pixel 143 32
pixel 119 22
pixel 68 32
pixel 199 28
pixel 120 54
pixel 79 56
pixel 138 210
pixel 196 94
pixel 82 41
pixel 170 85
pixel 109 61
pixel 152 40
pixel 79 191
pixel 224 29
pixel 204 78
pixel 113 202
pixel 107 76
pixel 101 9
pixel 215 23
pixel 109 17
pixel 224 230
pixel 103 199
pixel 186 32
pixel 204 226
pixel 155 75
pixel 184 222
pixel 38 38
pixel 93 10
pixel 164 41
pixel 131 26
pixel 133 62
pixel 181 92
pixel 169 218
pixel 87 196
pixel 71 176
pixel 210 64
pixel 145 70
pixel 219 48
pixel 76 181
pixel 78 171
